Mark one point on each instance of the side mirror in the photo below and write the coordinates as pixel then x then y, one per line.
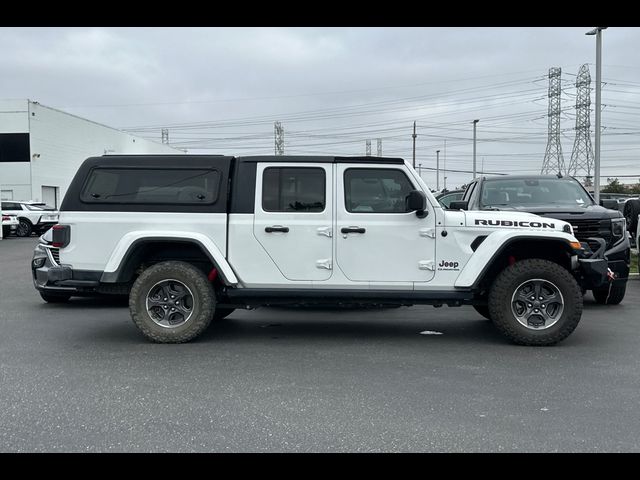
pixel 459 205
pixel 609 203
pixel 417 202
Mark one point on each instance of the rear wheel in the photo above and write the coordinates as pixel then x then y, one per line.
pixel 25 228
pixel 55 297
pixel 172 302
pixel 612 294
pixel 535 302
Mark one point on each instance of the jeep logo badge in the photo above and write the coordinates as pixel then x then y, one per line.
pixel 445 265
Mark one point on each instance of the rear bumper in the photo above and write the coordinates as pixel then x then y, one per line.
pixel 51 277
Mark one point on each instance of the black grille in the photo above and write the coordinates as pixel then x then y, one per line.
pixel 55 253
pixel 584 229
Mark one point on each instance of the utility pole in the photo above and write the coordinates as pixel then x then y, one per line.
pixel 445 164
pixel 165 136
pixel 438 170
pixel 553 162
pixel 582 156
pixel 474 148
pixel 414 144
pixel 367 149
pixel 379 147
pixel 596 164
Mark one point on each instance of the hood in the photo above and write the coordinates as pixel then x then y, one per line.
pixel 563 212
pixel 513 219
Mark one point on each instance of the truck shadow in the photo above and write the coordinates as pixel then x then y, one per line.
pixel 310 326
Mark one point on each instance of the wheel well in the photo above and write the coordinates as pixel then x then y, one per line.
pixel 146 253
pixel 26 220
pixel 555 251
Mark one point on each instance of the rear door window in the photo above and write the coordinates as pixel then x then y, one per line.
pixel 293 189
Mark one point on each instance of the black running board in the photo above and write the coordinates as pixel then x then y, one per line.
pixel 273 296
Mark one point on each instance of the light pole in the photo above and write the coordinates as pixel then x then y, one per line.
pixel 438 170
pixel 474 148
pixel 596 163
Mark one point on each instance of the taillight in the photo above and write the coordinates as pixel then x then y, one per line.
pixel 5 217
pixel 61 235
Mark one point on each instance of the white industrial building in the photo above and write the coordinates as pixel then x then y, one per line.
pixel 41 148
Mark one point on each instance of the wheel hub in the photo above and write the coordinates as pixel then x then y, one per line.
pixel 169 303
pixel 537 304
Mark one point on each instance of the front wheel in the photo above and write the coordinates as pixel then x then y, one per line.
pixel 535 302
pixel 172 302
pixel 612 294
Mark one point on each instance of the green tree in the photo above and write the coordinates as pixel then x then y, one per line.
pixel 635 188
pixel 614 186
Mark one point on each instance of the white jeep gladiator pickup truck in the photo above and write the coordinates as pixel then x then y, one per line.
pixel 190 238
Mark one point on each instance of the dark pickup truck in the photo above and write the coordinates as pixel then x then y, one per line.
pixel 602 231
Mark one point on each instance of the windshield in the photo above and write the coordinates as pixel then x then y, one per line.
pixel 38 206
pixel 544 191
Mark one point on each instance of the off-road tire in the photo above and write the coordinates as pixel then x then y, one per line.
pixel 483 310
pixel 222 313
pixel 614 296
pixel 504 287
pixel 55 297
pixel 203 302
pixel 24 229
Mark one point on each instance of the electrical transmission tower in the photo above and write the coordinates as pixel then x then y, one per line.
pixel 582 155
pixel 379 147
pixel 165 135
pixel 368 148
pixel 279 138
pixel 553 160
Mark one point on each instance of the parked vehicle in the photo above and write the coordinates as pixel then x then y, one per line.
pixel 190 238
pixel 632 214
pixel 445 198
pixel 620 198
pixel 602 231
pixel 34 217
pixel 9 224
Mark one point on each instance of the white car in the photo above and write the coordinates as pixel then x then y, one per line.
pixel 33 217
pixel 190 238
pixel 9 225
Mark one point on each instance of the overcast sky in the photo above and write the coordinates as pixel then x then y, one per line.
pixel 221 89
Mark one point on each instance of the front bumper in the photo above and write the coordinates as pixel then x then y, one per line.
pixel 599 268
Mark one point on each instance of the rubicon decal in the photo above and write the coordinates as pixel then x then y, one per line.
pixel 515 223
pixel 445 265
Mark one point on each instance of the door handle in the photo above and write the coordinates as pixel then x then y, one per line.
pixel 276 228
pixel 353 230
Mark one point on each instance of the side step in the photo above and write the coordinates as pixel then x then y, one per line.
pixel 269 296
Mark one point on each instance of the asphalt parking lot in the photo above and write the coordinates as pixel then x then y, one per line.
pixel 79 377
